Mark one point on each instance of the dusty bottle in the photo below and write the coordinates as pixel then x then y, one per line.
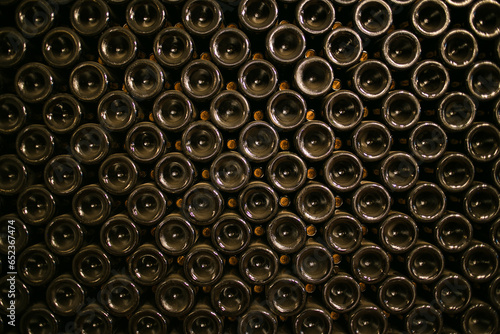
pixel 343 233
pixel 371 202
pixel 258 202
pixel 89 81
pixel 62 47
pixel 202 204
pixel 230 48
pixel 175 296
pixel 117 111
pixel 175 235
pixel 201 141
pixel 341 293
pixel 286 172
pixel 147 265
pixel 258 141
pixel 145 142
pixel 202 18
pixel 430 18
pixel 315 141
pixel 257 79
pixel 173 47
pixel 37 265
pixel 120 295
pixel 63 175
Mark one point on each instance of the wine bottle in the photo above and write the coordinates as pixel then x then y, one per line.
pixel 36 205
pixel 285 44
pixel 315 141
pixel 119 235
pixel 400 110
pixel 62 113
pixel 147 265
pixel 230 48
pixel 203 265
pixel 286 110
pixel 315 203
pixel 286 172
pixel 230 296
pixel 120 295
pixel 36 265
pixel 144 79
pixel 62 47
pixel 230 172
pixel 286 295
pixel 174 173
pixel 202 204
pixel 258 141
pixel 286 233
pixel 117 47
pixel 341 293
pixel 430 18
pixel 173 111
pixel 229 110
pixel 175 235
pixel 258 265
pixel 64 236
pixel 91 266
pixel 145 18
pixel 146 204
pixel 231 234
pixel 65 296
pixel 313 77
pixel 258 202
pixel 343 171
pixel 89 17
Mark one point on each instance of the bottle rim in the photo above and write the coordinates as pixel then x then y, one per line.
pixel 417 24
pixel 462 35
pixel 424 66
pixel 472 13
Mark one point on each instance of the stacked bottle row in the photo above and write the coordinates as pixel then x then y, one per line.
pixel 257 167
